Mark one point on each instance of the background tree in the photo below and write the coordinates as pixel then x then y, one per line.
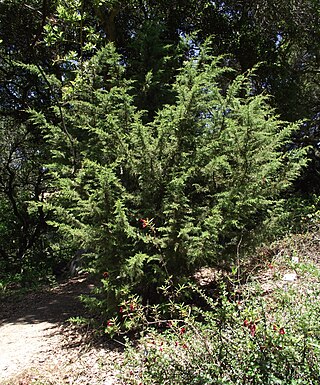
pixel 22 184
pixel 22 181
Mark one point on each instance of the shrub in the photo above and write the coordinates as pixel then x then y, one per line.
pixel 257 340
pixel 159 200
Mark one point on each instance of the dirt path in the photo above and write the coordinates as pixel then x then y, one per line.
pixel 37 342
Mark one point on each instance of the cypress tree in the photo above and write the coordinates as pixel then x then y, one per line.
pixel 161 199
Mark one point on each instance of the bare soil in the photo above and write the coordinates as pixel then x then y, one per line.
pixel 38 345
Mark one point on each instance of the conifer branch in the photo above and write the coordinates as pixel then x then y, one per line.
pixel 64 126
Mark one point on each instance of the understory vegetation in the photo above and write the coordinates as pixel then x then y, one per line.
pixel 263 331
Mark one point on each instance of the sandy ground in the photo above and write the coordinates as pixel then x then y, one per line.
pixel 22 345
pixel 38 343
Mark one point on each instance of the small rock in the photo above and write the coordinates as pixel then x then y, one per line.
pixel 290 277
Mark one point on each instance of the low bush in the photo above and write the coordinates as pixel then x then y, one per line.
pixel 252 337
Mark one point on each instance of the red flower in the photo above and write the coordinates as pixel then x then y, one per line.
pixel 253 329
pixel 131 306
pixel 105 275
pixel 182 330
pixel 282 331
pixel 144 222
pixel 246 323
pixel 275 327
pixel 109 323
pixel 121 309
pixel 185 346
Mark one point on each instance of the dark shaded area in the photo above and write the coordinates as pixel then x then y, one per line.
pixel 55 305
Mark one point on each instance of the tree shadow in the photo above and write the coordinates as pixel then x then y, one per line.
pixel 52 305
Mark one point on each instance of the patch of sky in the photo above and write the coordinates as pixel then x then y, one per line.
pixel 279 39
pixel 193 46
pixel 214 112
pixel 18 157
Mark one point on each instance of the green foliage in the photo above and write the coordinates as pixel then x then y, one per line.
pixel 301 215
pixel 252 340
pixel 21 185
pixel 160 199
pixel 157 133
